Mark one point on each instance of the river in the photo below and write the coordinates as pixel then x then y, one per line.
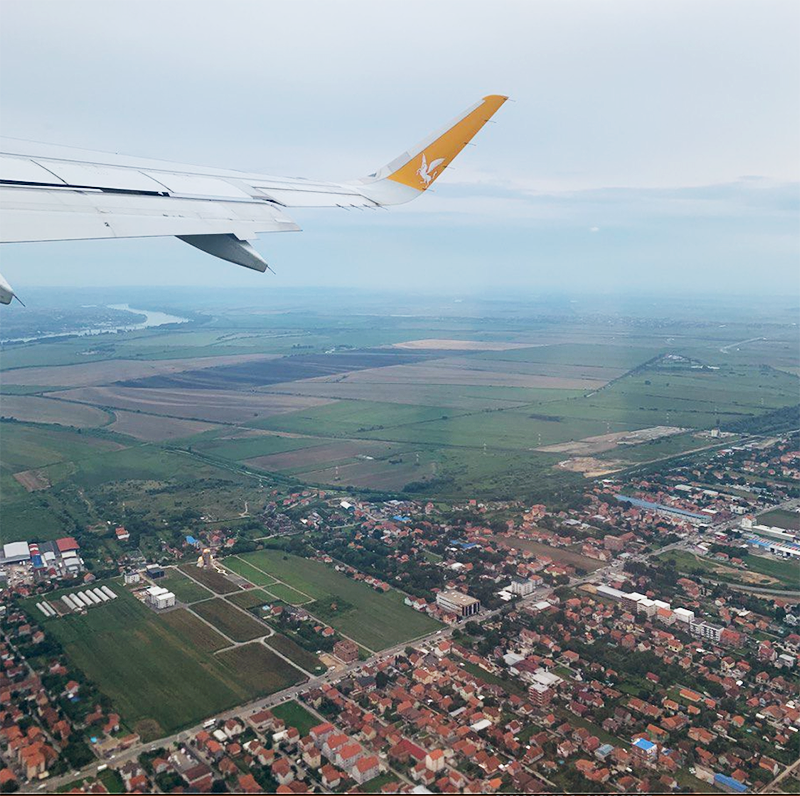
pixel 152 318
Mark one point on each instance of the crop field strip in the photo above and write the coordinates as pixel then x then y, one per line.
pixel 184 588
pixel 210 406
pixel 92 374
pixel 277 370
pixel 295 653
pixel 209 578
pixel 231 621
pixel 50 410
pixel 277 588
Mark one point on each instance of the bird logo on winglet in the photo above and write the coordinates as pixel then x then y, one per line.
pixel 427 172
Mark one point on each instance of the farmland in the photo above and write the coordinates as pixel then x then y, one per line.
pixel 230 621
pixel 210 578
pixel 249 598
pixel 184 588
pixel 161 671
pixel 370 618
pixel 781 518
pixel 437 402
pixel 295 653
pixel 248 571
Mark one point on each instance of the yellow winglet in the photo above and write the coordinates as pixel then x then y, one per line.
pixel 421 170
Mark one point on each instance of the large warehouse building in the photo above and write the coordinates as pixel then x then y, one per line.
pixel 159 598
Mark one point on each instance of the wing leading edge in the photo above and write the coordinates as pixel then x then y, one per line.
pixel 50 193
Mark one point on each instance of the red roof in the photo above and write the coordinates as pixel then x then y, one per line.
pixel 66 543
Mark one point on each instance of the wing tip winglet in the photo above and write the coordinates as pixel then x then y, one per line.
pixel 420 167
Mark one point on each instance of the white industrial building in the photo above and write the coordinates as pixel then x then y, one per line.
pixel 159 598
pixel 16 553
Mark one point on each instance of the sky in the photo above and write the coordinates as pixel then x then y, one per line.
pixel 650 145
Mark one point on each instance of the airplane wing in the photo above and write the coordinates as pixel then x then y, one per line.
pixel 51 193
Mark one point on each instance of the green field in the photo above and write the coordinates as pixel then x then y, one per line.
pixel 781 518
pixel 157 671
pixel 185 623
pixel 250 448
pixel 661 448
pixel 787 572
pixel 349 418
pixel 235 624
pixel 184 588
pixel 249 598
pixel 295 653
pixel 27 446
pixel 258 669
pixel 255 576
pixel 295 715
pixel 375 620
pixel 287 594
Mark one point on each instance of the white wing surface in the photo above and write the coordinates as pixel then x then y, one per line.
pixel 51 193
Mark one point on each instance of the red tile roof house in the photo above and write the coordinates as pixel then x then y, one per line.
pixel 261 721
pixel 366 768
pixel 282 771
pixel 348 755
pixel 331 777
pixel 247 784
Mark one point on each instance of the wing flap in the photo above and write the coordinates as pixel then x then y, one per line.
pixel 59 214
pixel 333 197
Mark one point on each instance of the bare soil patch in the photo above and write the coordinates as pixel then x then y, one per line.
pixel 155 427
pixel 32 480
pixel 556 553
pixel 94 373
pixel 458 345
pixel 209 405
pixel 746 576
pixel 31 409
pixel 434 372
pixel 591 467
pixel 607 442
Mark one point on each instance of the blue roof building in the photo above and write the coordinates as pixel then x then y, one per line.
pixel 729 783
pixel 643 745
pixel 191 540
pixel 463 545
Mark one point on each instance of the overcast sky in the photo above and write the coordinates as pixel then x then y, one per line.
pixel 650 144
